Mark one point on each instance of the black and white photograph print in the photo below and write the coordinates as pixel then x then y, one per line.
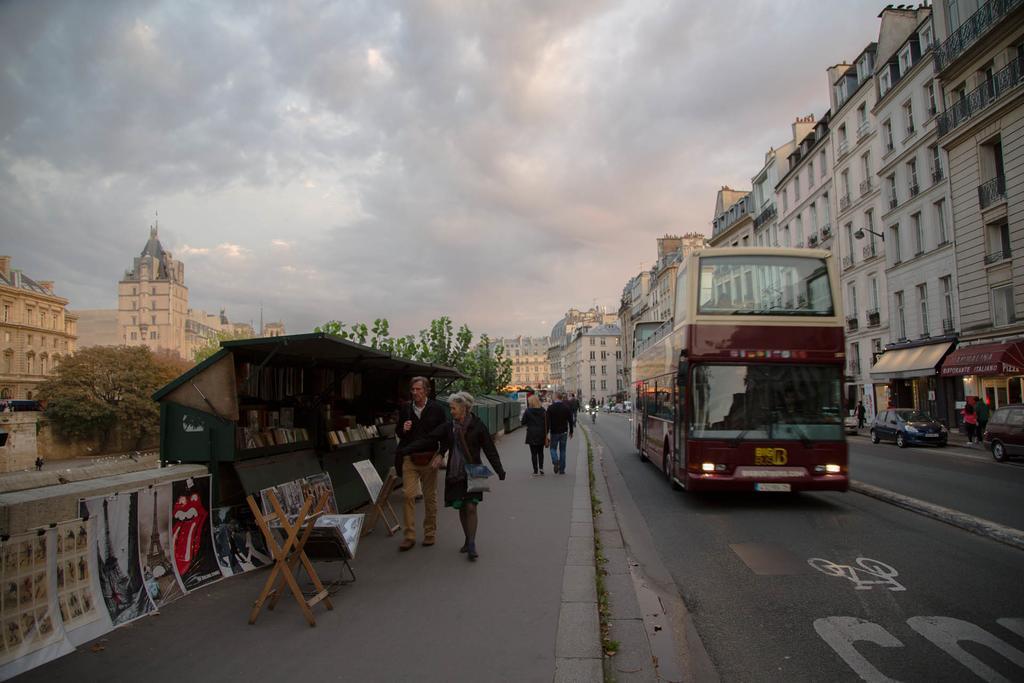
pixel 238 540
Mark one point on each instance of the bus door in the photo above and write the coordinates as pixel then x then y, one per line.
pixel 679 420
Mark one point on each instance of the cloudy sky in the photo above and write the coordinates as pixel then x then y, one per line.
pixel 497 162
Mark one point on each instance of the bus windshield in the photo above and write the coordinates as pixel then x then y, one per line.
pixel 782 402
pixel 764 285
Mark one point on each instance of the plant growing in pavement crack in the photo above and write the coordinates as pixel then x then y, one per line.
pixel 609 647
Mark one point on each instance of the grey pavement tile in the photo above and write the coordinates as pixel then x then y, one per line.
pixel 610 538
pixel 578 584
pixel 606 521
pixel 581 516
pixel 579 631
pixel 578 671
pixel 582 530
pixel 622 596
pixel 581 551
pixel 633 661
pixel 616 561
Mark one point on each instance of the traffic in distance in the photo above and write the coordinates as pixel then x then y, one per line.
pixel 744 391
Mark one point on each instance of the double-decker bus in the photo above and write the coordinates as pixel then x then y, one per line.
pixel 742 390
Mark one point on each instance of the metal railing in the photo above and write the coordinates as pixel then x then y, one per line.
pixel 863 130
pixel 1002 81
pixel 844 203
pixel 874 318
pixel 865 187
pixel 766 215
pixel 843 149
pixel 947 326
pixel 812 241
pixel 913 189
pixel 826 231
pixel 869 250
pixel 997 256
pixel 852 323
pixel 937 175
pixel 976 26
pixel 992 191
pixel 847 262
pixel 853 367
pixel 893 202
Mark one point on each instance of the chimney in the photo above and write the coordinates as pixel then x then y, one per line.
pixel 5 266
pixel 47 285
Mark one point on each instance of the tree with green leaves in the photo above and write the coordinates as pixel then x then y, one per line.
pixel 488 368
pixel 101 387
pixel 212 344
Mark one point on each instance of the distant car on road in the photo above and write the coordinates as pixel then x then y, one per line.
pixel 1004 434
pixel 907 426
pixel 850 424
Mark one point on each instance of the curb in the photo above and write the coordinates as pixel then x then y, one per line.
pixel 976 525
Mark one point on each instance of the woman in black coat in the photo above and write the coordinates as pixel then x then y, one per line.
pixel 535 419
pixel 463 437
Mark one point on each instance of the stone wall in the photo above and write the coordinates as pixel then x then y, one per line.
pixel 52 447
pixel 19 452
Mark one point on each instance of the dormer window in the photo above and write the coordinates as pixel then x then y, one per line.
pixel 884 83
pixel 926 37
pixel 906 61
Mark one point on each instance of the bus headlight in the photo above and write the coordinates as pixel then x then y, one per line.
pixel 708 466
pixel 830 469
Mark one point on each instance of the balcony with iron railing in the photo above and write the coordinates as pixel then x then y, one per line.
pixel 852 323
pixel 865 187
pixel 768 213
pixel 1003 254
pixel 863 130
pixel 812 240
pixel 826 231
pixel 844 202
pixel 991 192
pixel 893 202
pixel 847 262
pixel 972 30
pixel 853 367
pixel 870 251
pixel 843 148
pixel 947 326
pixel 937 175
pixel 874 318
pixel 913 189
pixel 1002 82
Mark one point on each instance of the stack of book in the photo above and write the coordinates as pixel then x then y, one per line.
pixel 249 438
pixel 352 434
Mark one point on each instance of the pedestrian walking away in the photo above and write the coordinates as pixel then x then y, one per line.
pixel 561 425
pixel 861 412
pixel 981 408
pixel 463 438
pixel 417 460
pixel 535 419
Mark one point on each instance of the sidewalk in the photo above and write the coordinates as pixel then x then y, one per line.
pixel 427 615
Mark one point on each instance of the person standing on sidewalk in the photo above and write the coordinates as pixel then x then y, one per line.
pixel 415 455
pixel 535 419
pixel 561 424
pixel 981 408
pixel 463 437
pixel 970 420
pixel 861 412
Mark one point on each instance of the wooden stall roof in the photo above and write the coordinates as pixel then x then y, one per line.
pixel 315 349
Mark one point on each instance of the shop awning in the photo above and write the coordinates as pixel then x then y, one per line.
pixel 985 359
pixel 917 361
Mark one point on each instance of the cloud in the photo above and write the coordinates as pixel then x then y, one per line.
pixel 496 163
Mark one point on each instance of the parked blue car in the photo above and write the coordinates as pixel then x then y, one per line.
pixel 907 426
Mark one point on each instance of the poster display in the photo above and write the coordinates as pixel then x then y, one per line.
pixel 371 478
pixel 116 548
pixel 318 485
pixel 75 598
pixel 27 608
pixel 154 527
pixel 195 561
pixel 238 540
pixel 346 528
pixel 289 495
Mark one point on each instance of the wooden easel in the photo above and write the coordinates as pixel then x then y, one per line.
pixel 381 508
pixel 288 556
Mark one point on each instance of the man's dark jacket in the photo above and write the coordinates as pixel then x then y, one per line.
pixel 418 439
pixel 560 418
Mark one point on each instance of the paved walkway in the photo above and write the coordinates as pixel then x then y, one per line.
pixel 425 615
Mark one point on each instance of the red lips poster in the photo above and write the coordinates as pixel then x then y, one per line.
pixel 194 560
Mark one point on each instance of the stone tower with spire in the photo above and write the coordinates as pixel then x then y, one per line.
pixel 152 301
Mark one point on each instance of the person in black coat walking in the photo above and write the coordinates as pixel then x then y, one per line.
pixel 417 448
pixel 535 419
pixel 463 437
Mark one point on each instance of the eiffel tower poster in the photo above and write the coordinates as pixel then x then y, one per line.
pixel 154 528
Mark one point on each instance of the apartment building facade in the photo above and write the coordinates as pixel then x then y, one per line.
pixel 733 224
pixel 529 356
pixel 593 364
pixel 152 300
pixel 36 331
pixel 980 66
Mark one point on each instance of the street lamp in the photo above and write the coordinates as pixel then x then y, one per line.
pixel 860 233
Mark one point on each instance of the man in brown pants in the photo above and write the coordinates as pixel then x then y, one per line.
pixel 415 451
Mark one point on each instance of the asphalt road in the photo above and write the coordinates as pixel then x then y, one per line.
pixel 831 586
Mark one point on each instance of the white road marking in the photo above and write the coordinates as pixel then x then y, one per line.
pixel 842 632
pixel 947 633
pixel 877 573
pixel 1015 625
